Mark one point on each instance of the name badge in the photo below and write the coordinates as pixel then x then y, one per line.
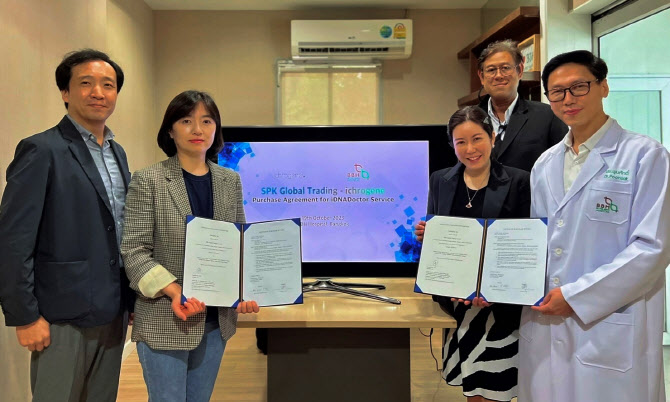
pixel 617 174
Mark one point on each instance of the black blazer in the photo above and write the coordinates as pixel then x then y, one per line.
pixel 532 129
pixel 507 196
pixel 58 247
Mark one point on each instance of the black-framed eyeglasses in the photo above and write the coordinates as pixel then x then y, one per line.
pixel 505 70
pixel 577 89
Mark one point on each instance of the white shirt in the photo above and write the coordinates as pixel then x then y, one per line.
pixel 494 118
pixel 573 161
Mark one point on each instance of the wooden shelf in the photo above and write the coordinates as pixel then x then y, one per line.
pixel 529 81
pixel 520 23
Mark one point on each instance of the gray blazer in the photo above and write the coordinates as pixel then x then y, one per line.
pixel 154 233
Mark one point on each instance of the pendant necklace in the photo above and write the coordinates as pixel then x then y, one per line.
pixel 469 204
pixel 467 189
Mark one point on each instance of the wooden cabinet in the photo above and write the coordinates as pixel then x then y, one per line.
pixel 518 25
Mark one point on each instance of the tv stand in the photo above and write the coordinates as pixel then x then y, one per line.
pixel 335 347
pixel 346 287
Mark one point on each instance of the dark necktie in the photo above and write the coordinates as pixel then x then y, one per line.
pixel 501 131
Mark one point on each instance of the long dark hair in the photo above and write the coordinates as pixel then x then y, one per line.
pixel 182 105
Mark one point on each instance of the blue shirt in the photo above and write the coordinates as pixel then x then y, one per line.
pixel 111 175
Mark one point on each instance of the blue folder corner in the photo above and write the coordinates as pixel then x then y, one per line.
pixel 296 221
pixel 417 289
pixel 539 301
pixel 235 304
pixel 473 295
pixel 299 300
pixel 189 218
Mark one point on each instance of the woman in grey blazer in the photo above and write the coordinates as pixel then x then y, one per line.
pixel 180 346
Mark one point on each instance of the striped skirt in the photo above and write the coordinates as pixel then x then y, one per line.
pixel 481 353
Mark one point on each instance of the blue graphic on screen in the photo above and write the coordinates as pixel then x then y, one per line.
pixel 358 201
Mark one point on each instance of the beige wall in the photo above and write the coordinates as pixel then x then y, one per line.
pixel 33 41
pixel 130 40
pixel 33 44
pixel 232 55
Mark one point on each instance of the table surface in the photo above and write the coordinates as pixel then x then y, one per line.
pixel 326 309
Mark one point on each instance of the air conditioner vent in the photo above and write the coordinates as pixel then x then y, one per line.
pixel 349 50
pixel 351 39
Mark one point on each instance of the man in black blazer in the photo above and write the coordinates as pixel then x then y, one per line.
pixel 524 129
pixel 532 129
pixel 62 282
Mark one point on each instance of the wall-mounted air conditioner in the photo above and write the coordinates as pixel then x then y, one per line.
pixel 351 39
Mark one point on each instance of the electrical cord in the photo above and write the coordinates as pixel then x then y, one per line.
pixel 430 342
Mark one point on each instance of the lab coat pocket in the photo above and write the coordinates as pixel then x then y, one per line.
pixel 609 201
pixel 609 343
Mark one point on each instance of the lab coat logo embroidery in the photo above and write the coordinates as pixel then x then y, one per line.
pixel 607 207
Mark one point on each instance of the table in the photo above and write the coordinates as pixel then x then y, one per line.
pixel 337 347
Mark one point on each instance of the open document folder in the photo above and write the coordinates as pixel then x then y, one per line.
pixel 225 263
pixel 501 260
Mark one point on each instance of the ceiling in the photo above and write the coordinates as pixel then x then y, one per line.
pixel 309 4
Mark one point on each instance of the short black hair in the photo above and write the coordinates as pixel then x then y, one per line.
pixel 64 69
pixel 474 114
pixel 506 45
pixel 595 64
pixel 182 105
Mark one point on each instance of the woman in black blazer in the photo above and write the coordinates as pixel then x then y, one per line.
pixel 480 354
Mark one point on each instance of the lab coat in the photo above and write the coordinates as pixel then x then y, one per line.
pixel 607 251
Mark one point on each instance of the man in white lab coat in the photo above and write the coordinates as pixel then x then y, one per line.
pixel 597 336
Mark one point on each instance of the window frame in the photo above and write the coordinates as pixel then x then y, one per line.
pixel 288 65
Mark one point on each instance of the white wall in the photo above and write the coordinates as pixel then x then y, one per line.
pixel 562 31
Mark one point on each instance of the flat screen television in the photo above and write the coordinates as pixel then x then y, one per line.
pixel 358 191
